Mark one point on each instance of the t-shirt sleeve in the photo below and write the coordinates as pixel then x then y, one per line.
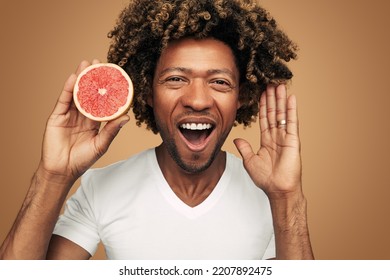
pixel 78 223
pixel 270 252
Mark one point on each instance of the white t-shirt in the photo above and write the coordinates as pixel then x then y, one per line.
pixel 130 207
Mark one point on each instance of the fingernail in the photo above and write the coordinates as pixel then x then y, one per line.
pixel 123 123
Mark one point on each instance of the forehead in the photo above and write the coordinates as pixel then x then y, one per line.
pixel 197 55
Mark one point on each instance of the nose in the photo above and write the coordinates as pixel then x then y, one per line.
pixel 197 96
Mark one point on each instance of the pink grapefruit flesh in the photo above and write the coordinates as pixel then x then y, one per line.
pixel 103 92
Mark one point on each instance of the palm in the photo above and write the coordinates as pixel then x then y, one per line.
pixel 72 142
pixel 276 167
pixel 68 143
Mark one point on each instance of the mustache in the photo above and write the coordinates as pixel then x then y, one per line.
pixel 192 113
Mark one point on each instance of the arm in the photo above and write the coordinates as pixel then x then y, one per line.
pixel 71 144
pixel 276 168
pixel 30 235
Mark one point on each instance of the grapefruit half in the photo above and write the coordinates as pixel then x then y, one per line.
pixel 103 92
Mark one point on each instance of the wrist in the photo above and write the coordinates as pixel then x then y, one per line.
pixel 289 211
pixel 57 180
pixel 293 193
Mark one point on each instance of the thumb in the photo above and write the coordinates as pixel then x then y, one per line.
pixel 244 148
pixel 109 132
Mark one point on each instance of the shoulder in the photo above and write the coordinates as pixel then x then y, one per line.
pixel 121 168
pixel 235 165
pixel 119 175
pixel 119 182
pixel 241 179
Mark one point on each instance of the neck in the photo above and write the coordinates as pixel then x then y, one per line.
pixel 191 188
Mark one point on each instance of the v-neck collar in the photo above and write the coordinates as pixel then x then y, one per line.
pixel 177 203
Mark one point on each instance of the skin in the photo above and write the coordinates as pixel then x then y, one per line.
pixel 277 169
pixel 200 90
pixel 184 90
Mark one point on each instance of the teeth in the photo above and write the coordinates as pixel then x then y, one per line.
pixel 194 126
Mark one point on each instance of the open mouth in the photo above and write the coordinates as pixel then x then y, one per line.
pixel 196 134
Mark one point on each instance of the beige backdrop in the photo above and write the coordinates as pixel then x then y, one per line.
pixel 340 79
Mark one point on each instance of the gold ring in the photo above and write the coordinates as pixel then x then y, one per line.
pixel 282 122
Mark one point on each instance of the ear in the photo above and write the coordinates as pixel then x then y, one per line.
pixel 239 103
pixel 149 99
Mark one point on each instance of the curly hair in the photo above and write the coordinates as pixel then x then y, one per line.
pixel 144 28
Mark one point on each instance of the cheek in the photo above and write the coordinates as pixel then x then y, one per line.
pixel 228 108
pixel 163 107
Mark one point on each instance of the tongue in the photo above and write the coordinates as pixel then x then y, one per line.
pixel 195 137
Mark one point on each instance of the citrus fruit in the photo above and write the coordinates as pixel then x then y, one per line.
pixel 103 92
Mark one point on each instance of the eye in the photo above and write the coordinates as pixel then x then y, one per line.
pixel 220 82
pixel 174 79
pixel 174 82
pixel 221 85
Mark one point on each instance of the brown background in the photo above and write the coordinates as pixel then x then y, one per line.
pixel 341 80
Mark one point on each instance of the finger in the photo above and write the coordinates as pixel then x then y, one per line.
pixel 281 106
pixel 65 99
pixel 244 148
pixel 83 64
pixel 292 116
pixel 108 133
pixel 271 106
pixel 95 61
pixel 263 114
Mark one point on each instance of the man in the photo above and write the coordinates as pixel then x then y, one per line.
pixel 198 68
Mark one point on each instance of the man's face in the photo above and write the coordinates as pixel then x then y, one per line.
pixel 195 99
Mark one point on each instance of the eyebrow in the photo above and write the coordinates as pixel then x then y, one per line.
pixel 222 71
pixel 173 69
pixel 188 70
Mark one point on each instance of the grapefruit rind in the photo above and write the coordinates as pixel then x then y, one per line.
pixel 121 109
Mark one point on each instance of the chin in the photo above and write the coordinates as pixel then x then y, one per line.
pixel 197 162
